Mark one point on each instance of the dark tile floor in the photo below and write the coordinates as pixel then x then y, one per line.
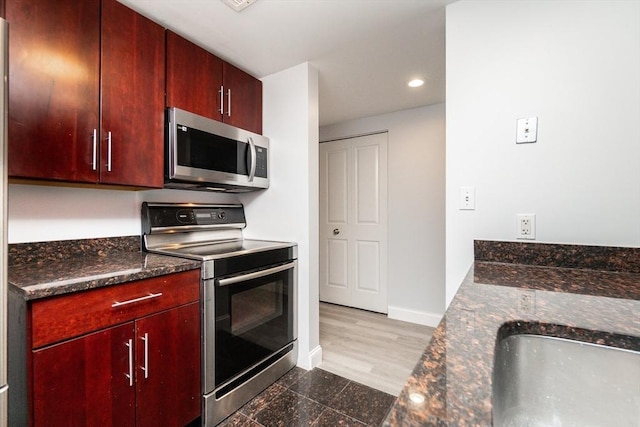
pixel 313 398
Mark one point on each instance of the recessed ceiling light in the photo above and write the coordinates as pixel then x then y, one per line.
pixel 416 83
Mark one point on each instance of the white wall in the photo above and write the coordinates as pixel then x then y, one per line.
pixel 40 213
pixel 576 66
pixel 289 209
pixel 415 208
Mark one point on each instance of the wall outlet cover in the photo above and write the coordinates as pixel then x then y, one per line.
pixel 527 130
pixel 526 226
pixel 467 198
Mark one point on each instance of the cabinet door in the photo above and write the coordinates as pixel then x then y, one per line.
pixel 54 54
pixel 245 109
pixel 132 91
pixel 194 77
pixel 168 367
pixel 83 382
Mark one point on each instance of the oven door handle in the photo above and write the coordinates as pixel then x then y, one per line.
pixel 256 275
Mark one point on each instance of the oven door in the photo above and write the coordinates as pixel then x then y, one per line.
pixel 253 322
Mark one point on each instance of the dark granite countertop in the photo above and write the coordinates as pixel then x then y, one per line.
pixel 39 270
pixel 592 294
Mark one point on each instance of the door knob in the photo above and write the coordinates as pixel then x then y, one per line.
pixel 336 231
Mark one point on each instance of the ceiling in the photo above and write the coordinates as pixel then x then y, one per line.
pixel 365 51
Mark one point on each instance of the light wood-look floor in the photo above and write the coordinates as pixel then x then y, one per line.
pixel 370 348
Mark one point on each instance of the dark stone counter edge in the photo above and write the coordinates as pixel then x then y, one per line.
pixel 83 283
pixel 604 258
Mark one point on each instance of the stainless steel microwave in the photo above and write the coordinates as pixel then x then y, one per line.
pixel 204 154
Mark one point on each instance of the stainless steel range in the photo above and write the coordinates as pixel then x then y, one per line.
pixel 248 294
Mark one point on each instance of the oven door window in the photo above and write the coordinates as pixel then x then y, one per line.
pixel 254 319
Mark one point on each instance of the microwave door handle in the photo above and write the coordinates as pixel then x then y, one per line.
pixel 252 155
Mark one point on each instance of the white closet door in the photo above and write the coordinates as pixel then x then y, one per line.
pixel 353 222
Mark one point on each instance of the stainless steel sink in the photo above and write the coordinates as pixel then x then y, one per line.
pixel 546 381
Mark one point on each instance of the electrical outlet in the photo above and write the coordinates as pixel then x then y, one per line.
pixel 526 226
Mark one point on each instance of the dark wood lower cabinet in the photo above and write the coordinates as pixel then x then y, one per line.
pixel 89 381
pixel 82 382
pixel 121 355
pixel 168 389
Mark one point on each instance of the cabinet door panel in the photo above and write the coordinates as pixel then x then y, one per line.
pixel 53 84
pixel 82 382
pixel 132 83
pixel 170 393
pixel 246 99
pixel 194 77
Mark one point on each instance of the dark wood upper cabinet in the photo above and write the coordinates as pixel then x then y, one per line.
pixel 71 86
pixel 132 92
pixel 194 77
pixel 244 105
pixel 202 83
pixel 54 59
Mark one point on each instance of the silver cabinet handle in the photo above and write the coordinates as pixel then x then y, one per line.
pixel 221 92
pixel 94 160
pixel 131 301
pixel 252 153
pixel 336 231
pixel 229 102
pixel 145 368
pixel 130 374
pixel 109 151
pixel 256 275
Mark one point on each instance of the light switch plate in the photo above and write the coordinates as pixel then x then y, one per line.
pixel 527 130
pixel 467 198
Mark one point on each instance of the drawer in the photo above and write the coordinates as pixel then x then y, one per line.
pixel 67 316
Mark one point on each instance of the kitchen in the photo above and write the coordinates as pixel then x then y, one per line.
pixel 597 99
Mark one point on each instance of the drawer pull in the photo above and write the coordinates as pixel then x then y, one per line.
pixel 131 301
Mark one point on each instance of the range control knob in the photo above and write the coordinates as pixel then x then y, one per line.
pixel 222 214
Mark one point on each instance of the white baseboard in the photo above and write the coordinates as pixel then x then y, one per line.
pixel 315 357
pixel 413 316
pixel 311 360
